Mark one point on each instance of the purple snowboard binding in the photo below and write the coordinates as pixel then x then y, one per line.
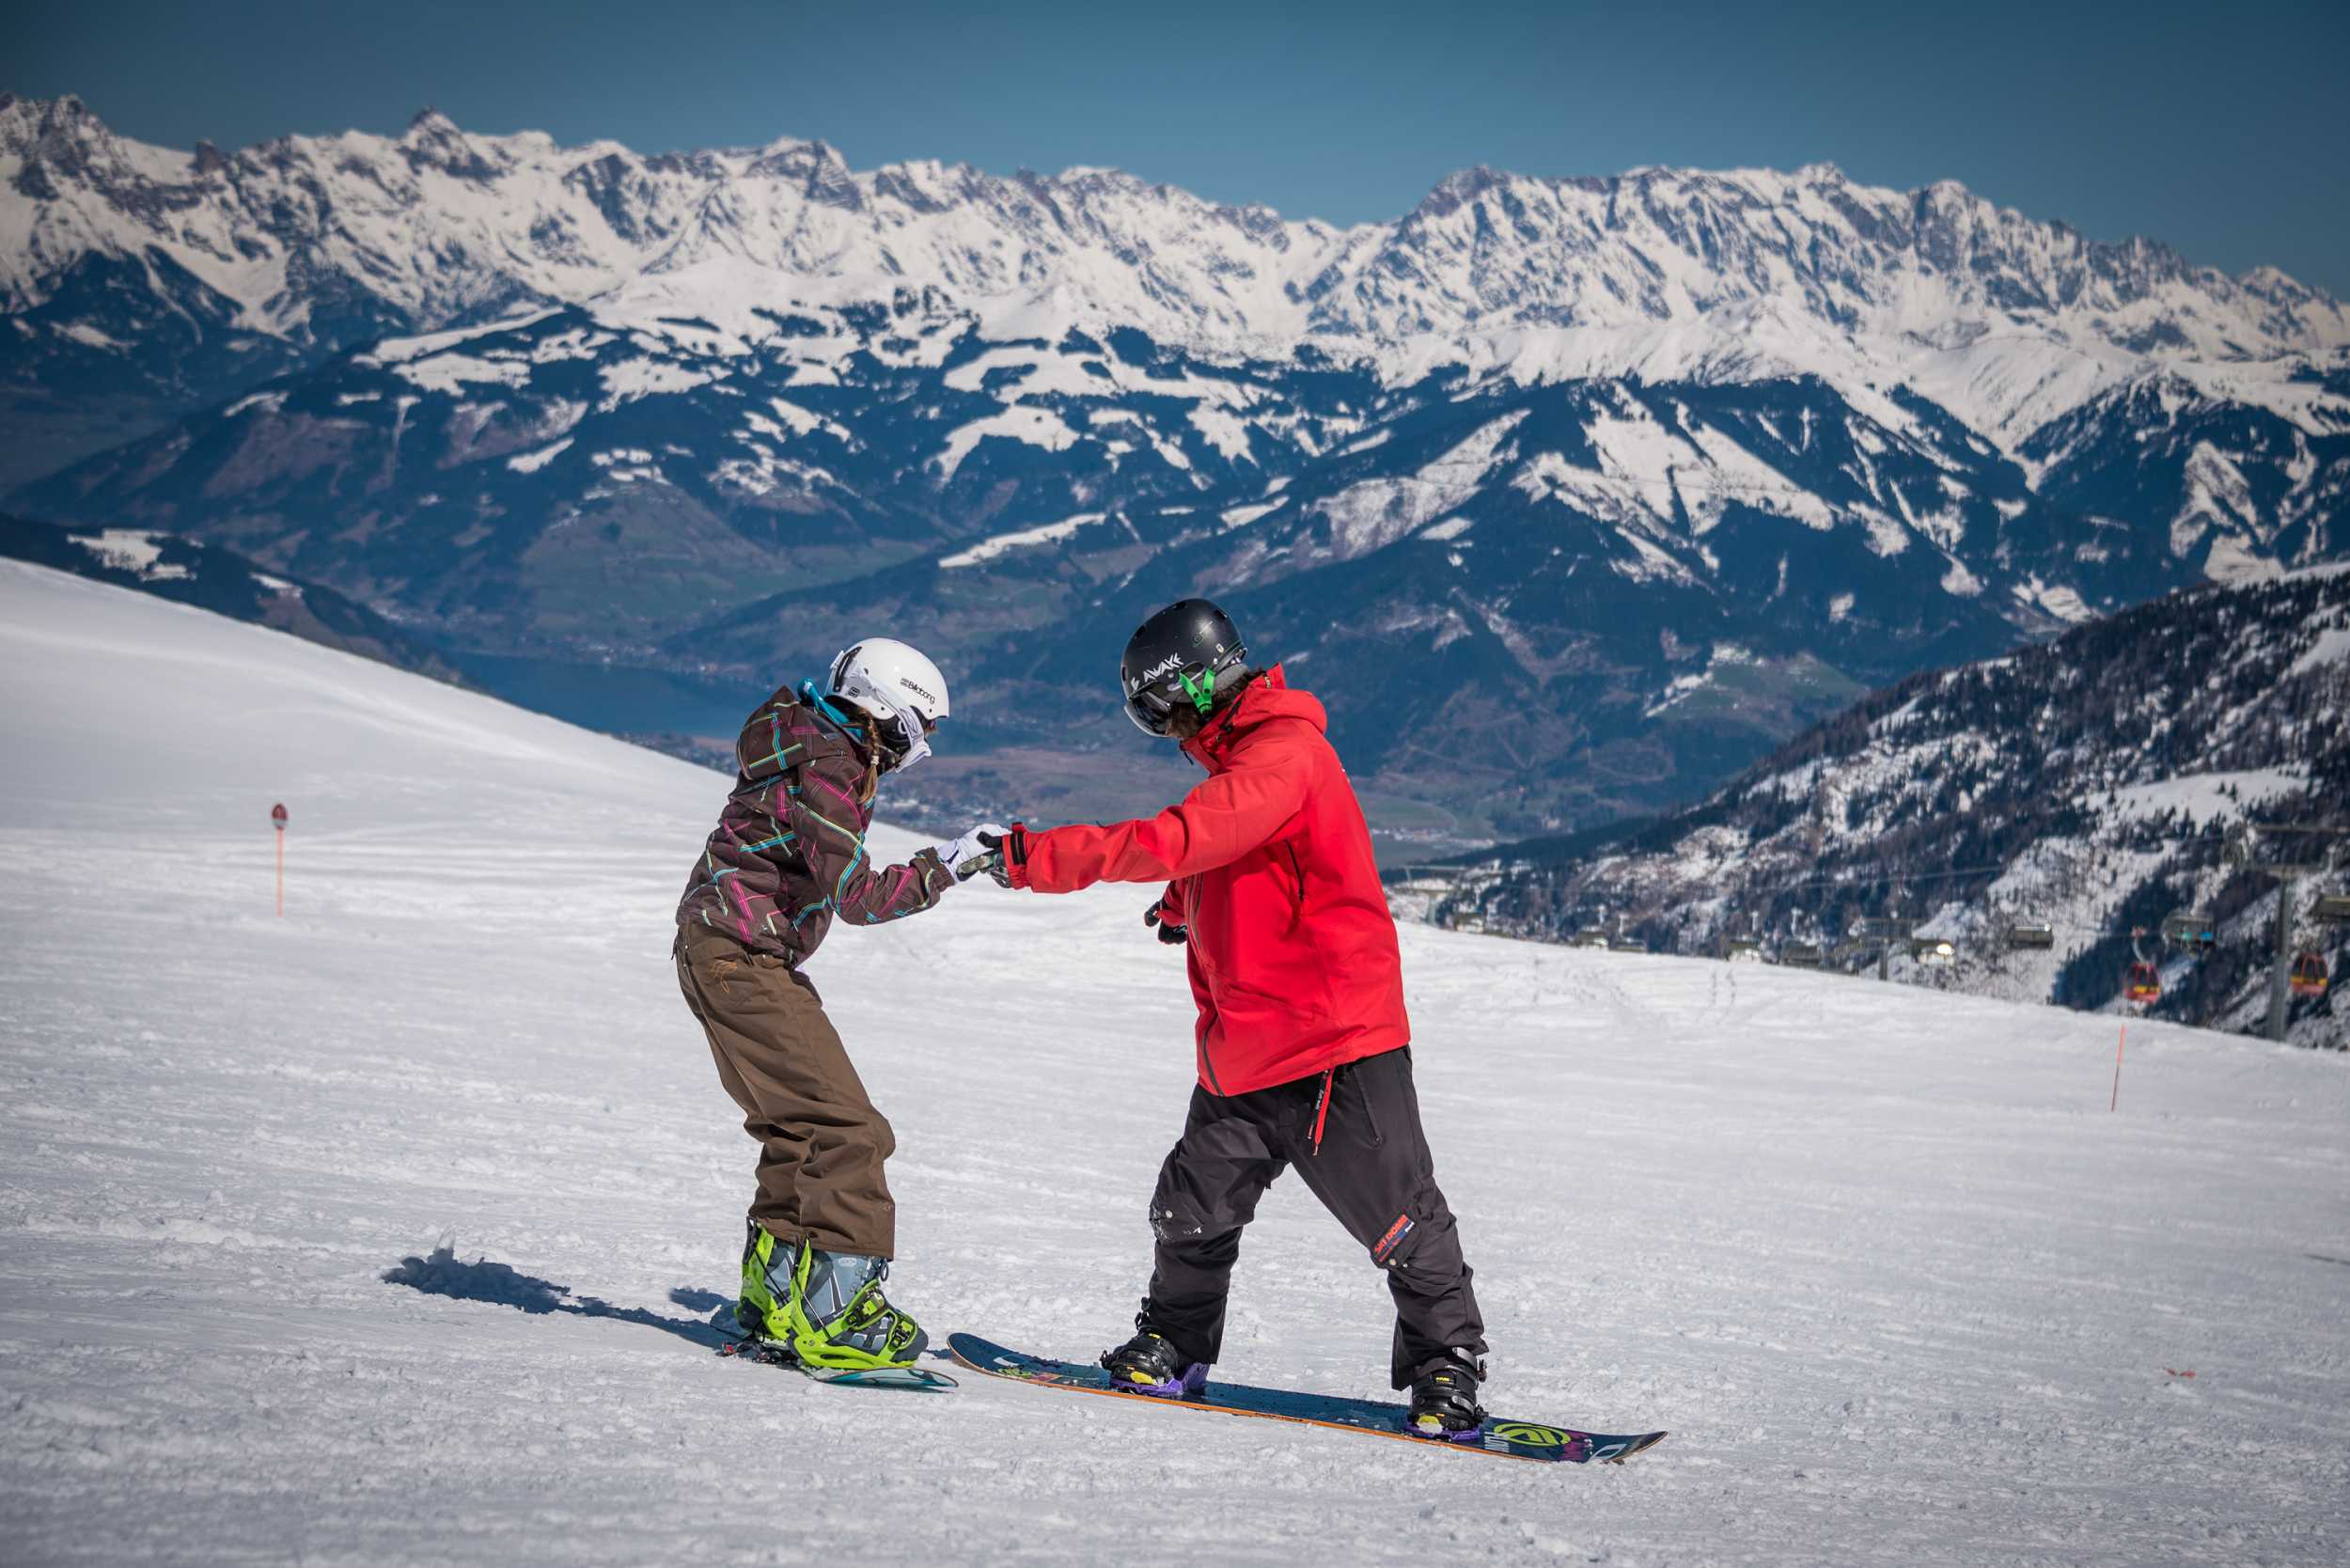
pixel 1147 1364
pixel 1188 1385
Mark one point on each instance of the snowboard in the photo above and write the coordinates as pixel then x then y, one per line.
pixel 1509 1439
pixel 920 1378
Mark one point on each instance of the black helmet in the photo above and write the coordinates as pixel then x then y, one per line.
pixel 1174 658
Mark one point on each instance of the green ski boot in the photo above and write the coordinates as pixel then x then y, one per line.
pixel 840 1320
pixel 822 1310
pixel 769 1266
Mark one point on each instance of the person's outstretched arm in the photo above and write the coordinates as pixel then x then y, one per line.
pixel 1221 820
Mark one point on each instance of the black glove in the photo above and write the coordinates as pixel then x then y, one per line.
pixel 1169 932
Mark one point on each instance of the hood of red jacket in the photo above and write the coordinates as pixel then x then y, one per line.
pixel 1266 698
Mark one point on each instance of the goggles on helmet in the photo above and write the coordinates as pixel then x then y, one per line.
pixel 1152 706
pixel 904 738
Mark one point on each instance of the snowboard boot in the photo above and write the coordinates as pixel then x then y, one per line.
pixel 769 1266
pixel 837 1318
pixel 1150 1364
pixel 1443 1400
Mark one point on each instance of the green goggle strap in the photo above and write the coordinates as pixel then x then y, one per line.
pixel 1202 693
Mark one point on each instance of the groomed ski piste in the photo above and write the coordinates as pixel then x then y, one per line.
pixel 393 1230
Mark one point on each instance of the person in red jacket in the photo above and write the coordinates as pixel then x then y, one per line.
pixel 1304 1045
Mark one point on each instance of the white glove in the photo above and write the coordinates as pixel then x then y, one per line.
pixel 966 857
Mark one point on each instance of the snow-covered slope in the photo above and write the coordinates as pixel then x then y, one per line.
pixel 390 1231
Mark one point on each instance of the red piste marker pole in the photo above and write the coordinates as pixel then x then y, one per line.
pixel 277 820
pixel 2116 1064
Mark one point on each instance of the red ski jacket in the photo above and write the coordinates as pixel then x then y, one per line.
pixel 1292 953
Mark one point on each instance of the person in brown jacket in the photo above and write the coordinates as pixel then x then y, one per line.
pixel 787 859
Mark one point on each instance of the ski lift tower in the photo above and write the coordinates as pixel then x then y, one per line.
pixel 2237 851
pixel 1885 930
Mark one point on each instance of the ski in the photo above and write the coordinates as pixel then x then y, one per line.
pixel 920 1378
pixel 1510 1439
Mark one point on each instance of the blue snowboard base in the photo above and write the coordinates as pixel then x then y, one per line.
pixel 1508 1439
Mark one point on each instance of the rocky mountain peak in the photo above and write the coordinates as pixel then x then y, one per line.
pixel 816 167
pixel 433 141
pixel 64 148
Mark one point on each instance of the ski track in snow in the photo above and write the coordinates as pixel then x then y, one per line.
pixel 1901 1286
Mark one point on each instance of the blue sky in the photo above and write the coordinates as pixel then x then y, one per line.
pixel 2217 128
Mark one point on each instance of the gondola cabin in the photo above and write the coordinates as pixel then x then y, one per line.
pixel 2308 975
pixel 2189 931
pixel 2145 983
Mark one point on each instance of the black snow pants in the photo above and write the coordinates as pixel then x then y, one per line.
pixel 1370 1168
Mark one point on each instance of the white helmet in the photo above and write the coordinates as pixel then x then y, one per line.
pixel 902 689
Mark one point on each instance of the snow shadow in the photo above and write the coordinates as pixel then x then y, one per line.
pixel 502 1285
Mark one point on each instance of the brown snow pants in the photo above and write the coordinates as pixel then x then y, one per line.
pixel 822 1142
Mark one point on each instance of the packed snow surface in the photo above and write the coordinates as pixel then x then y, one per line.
pixel 393 1230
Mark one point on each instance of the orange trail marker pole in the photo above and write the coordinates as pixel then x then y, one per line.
pixel 2116 1064
pixel 277 820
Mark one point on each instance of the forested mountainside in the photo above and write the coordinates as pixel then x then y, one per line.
pixel 2089 784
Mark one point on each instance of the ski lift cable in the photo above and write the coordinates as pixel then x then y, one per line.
pixel 1897 878
pixel 1696 489
pixel 1889 877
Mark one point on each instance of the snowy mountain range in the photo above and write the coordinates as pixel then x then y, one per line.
pixel 1630 478
pixel 1662 273
pixel 2089 784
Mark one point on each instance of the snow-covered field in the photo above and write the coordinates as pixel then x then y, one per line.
pixel 391 1231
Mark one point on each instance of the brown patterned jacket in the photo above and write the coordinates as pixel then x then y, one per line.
pixel 788 851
